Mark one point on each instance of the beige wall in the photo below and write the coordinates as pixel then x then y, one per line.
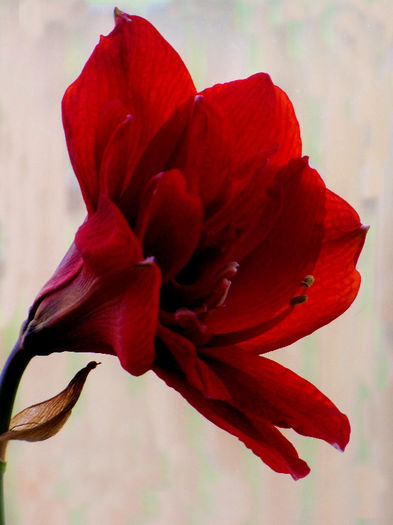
pixel 133 451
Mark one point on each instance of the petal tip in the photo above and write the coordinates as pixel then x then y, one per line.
pixel 338 447
pixel 343 439
pixel 301 473
pixel 120 15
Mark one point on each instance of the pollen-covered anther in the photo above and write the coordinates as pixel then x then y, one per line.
pixel 298 299
pixel 308 281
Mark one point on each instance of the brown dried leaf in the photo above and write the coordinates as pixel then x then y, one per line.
pixel 44 420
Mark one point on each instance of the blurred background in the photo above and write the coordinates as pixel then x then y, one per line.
pixel 133 451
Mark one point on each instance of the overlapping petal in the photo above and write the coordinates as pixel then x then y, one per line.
pixel 262 117
pixel 270 276
pixel 205 154
pixel 113 253
pixel 256 433
pixel 241 224
pixel 106 242
pixel 68 268
pixel 179 353
pixel 111 304
pixel 249 395
pixel 132 73
pixel 112 316
pixel 126 167
pixel 336 279
pixel 170 233
pixel 265 389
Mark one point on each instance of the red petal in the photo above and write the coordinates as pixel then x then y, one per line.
pixel 111 304
pixel 106 241
pixel 111 250
pixel 126 168
pixel 129 321
pixel 122 153
pixel 247 218
pixel 262 117
pixel 198 374
pixel 231 233
pixel 117 315
pixel 263 388
pixel 169 222
pixel 67 270
pixel 270 276
pixel 257 434
pixel 204 156
pixel 336 279
pixel 132 71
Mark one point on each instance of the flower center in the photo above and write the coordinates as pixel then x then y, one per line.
pixel 184 306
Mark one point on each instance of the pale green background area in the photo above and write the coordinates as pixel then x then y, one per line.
pixel 133 451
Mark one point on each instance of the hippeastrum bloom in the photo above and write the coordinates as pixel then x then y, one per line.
pixel 209 240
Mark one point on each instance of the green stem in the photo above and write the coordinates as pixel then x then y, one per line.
pixel 9 382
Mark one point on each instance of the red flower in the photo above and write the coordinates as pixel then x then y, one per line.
pixel 204 228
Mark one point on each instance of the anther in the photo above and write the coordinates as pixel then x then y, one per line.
pixel 298 299
pixel 230 270
pixel 308 281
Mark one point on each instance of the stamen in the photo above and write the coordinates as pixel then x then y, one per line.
pixel 225 284
pixel 308 281
pixel 230 270
pixel 298 299
pixel 221 293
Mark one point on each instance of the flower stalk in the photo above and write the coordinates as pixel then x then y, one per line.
pixel 9 382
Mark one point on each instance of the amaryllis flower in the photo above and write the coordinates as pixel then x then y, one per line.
pixel 209 240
